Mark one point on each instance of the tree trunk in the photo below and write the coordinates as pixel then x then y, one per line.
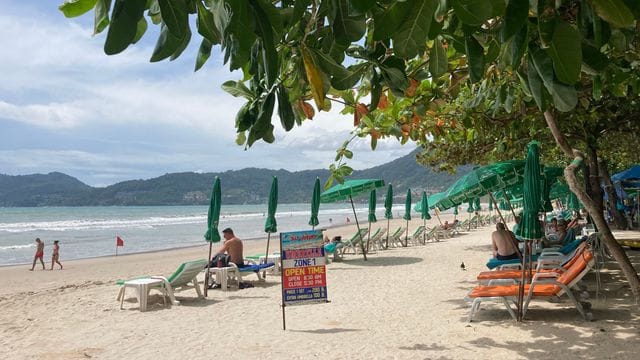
pixel 619 220
pixel 610 242
pixel 594 176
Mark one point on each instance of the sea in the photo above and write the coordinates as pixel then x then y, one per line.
pixel 86 232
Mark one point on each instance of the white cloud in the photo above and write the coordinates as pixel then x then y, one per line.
pixel 110 118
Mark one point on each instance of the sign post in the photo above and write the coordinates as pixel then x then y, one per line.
pixel 304 272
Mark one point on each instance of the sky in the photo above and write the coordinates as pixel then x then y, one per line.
pixel 66 106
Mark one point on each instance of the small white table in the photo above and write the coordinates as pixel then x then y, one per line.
pixel 274 258
pixel 142 287
pixel 222 275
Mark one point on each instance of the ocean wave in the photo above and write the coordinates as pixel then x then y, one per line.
pixel 16 247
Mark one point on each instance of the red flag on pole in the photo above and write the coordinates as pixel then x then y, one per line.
pixel 119 241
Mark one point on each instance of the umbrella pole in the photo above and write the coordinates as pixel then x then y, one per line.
pixel 368 236
pixel 386 246
pixel 266 253
pixel 510 207
pixel 364 253
pixel 406 237
pixel 499 213
pixel 438 215
pixel 206 274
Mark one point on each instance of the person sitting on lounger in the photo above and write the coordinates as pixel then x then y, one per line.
pixel 445 226
pixel 233 247
pixel 503 244
pixel 552 227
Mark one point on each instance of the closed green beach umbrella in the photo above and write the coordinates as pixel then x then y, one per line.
pixel 470 207
pixel 407 214
pixel 529 228
pixel 213 219
pixel 315 204
pixel 388 213
pixel 270 225
pixel 424 213
pixel 490 205
pixel 476 205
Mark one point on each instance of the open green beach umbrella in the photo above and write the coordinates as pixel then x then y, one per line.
pixel 372 214
pixel 213 219
pixel 407 214
pixel 424 213
pixel 348 190
pixel 270 224
pixel 388 213
pixel 315 204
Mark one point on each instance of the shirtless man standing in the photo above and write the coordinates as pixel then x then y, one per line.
pixel 232 246
pixel 503 244
pixel 39 253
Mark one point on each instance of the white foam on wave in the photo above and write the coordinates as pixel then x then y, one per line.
pixel 16 247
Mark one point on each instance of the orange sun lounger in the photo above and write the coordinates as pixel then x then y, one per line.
pixel 543 285
pixel 486 276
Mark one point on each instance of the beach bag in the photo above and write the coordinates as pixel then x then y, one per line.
pixel 220 260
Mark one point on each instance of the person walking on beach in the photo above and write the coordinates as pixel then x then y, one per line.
pixel 39 254
pixel 55 257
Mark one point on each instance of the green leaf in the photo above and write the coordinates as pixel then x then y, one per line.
pixel 392 71
pixel 535 85
pixel 346 29
pixel 141 29
pixel 518 45
pixel 515 17
pixel 285 111
pixel 359 7
pixel 615 12
pixel 265 31
pixel 438 64
pixel 205 24
pixel 355 74
pixel 166 45
pixel 543 65
pixel 203 53
pixel 101 16
pixel 593 58
pixel 566 52
pixel 475 56
pixel 238 89
pixel 175 16
pixel 473 12
pixel 124 25
pixel 241 138
pixel 330 66
pixel 73 8
pixel 385 24
pixel 565 97
pixel 376 90
pixel 410 38
pixel 240 30
pixel 182 45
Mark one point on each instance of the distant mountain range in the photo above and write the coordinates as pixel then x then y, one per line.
pixel 246 186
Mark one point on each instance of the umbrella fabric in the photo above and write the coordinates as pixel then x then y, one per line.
pixel 431 201
pixel 350 188
pixel 482 180
pixel 388 203
pixel 573 203
pixel 270 225
pixel 407 206
pixel 424 205
pixel 372 206
pixel 476 204
pixel 470 207
pixel 213 217
pixel 315 204
pixel 546 192
pixel 530 228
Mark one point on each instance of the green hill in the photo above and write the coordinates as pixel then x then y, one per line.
pixel 246 186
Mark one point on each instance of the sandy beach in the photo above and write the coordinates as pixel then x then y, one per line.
pixel 403 303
